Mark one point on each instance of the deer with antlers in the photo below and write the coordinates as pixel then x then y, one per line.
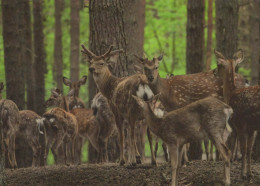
pixel 119 93
pixel 178 91
pixel 246 105
pixel 74 101
pixel 10 120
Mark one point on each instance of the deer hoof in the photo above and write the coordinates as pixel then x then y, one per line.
pixel 138 160
pixel 122 162
pixel 154 163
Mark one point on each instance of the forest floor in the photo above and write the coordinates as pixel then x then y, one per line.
pixel 197 173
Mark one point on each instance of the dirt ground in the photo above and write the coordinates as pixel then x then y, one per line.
pixel 197 173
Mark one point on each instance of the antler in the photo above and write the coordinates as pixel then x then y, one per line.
pixel 141 59
pixel 87 52
pixel 109 50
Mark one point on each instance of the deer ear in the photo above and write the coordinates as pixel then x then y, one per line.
pixel 140 60
pixel 239 56
pixel 139 101
pixel 83 80
pixel 220 58
pixel 160 57
pixel 71 92
pixel 1 86
pixel 66 81
pixel 55 92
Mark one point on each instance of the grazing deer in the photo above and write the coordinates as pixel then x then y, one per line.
pixel 31 125
pixel 61 126
pixel 205 118
pixel 74 101
pixel 106 121
pixel 9 118
pixel 119 92
pixel 178 91
pixel 246 105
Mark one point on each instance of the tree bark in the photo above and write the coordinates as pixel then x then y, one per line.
pixel 194 52
pixel 195 36
pixel 209 35
pixel 58 45
pixel 227 26
pixel 115 23
pixel 12 34
pixel 74 44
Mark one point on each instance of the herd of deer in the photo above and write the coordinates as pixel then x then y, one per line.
pixel 177 109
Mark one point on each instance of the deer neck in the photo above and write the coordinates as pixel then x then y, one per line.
pixel 159 86
pixel 228 83
pixel 107 85
pixel 64 104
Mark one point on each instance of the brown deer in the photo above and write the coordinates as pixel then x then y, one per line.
pixel 9 118
pixel 31 126
pixel 178 91
pixel 119 92
pixel 246 105
pixel 74 101
pixel 205 118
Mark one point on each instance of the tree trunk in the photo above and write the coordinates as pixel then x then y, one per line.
pixel 227 26
pixel 39 64
pixel 58 44
pixel 194 52
pixel 115 23
pixel 74 41
pixel 12 36
pixel 209 35
pixel 195 36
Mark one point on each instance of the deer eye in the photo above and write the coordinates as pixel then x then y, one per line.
pixel 156 68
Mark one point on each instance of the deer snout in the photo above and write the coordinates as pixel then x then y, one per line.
pixel 91 69
pixel 150 78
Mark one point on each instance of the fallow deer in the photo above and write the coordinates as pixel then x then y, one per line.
pixel 178 91
pixel 119 92
pixel 61 127
pixel 246 105
pixel 31 126
pixel 10 118
pixel 205 118
pixel 74 101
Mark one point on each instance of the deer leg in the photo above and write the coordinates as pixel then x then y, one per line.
pixel 243 146
pixel 206 145
pixel 211 151
pixel 55 149
pixel 133 148
pixel 136 151
pixel 173 149
pixel 166 155
pixel 13 152
pixel 121 139
pixel 156 147
pixel 226 155
pixel 150 139
pixel 250 144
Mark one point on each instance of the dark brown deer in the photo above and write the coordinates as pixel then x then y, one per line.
pixel 119 92
pixel 178 91
pixel 10 118
pixel 73 100
pixel 205 118
pixel 246 105
pixel 31 126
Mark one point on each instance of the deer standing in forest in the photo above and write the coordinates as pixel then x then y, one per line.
pixel 178 91
pixel 119 93
pixel 74 101
pixel 61 127
pixel 31 126
pixel 205 118
pixel 246 105
pixel 9 118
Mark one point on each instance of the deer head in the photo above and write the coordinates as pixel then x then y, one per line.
pixel 99 65
pixel 150 67
pixel 75 85
pixel 56 98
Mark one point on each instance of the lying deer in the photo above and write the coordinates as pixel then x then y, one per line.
pixel 246 105
pixel 74 101
pixel 61 128
pixel 10 118
pixel 31 126
pixel 181 90
pixel 119 92
pixel 205 118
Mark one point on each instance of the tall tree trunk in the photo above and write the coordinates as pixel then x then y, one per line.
pixel 74 41
pixel 115 23
pixel 39 64
pixel 194 52
pixel 195 36
pixel 209 35
pixel 227 26
pixel 13 51
pixel 58 44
